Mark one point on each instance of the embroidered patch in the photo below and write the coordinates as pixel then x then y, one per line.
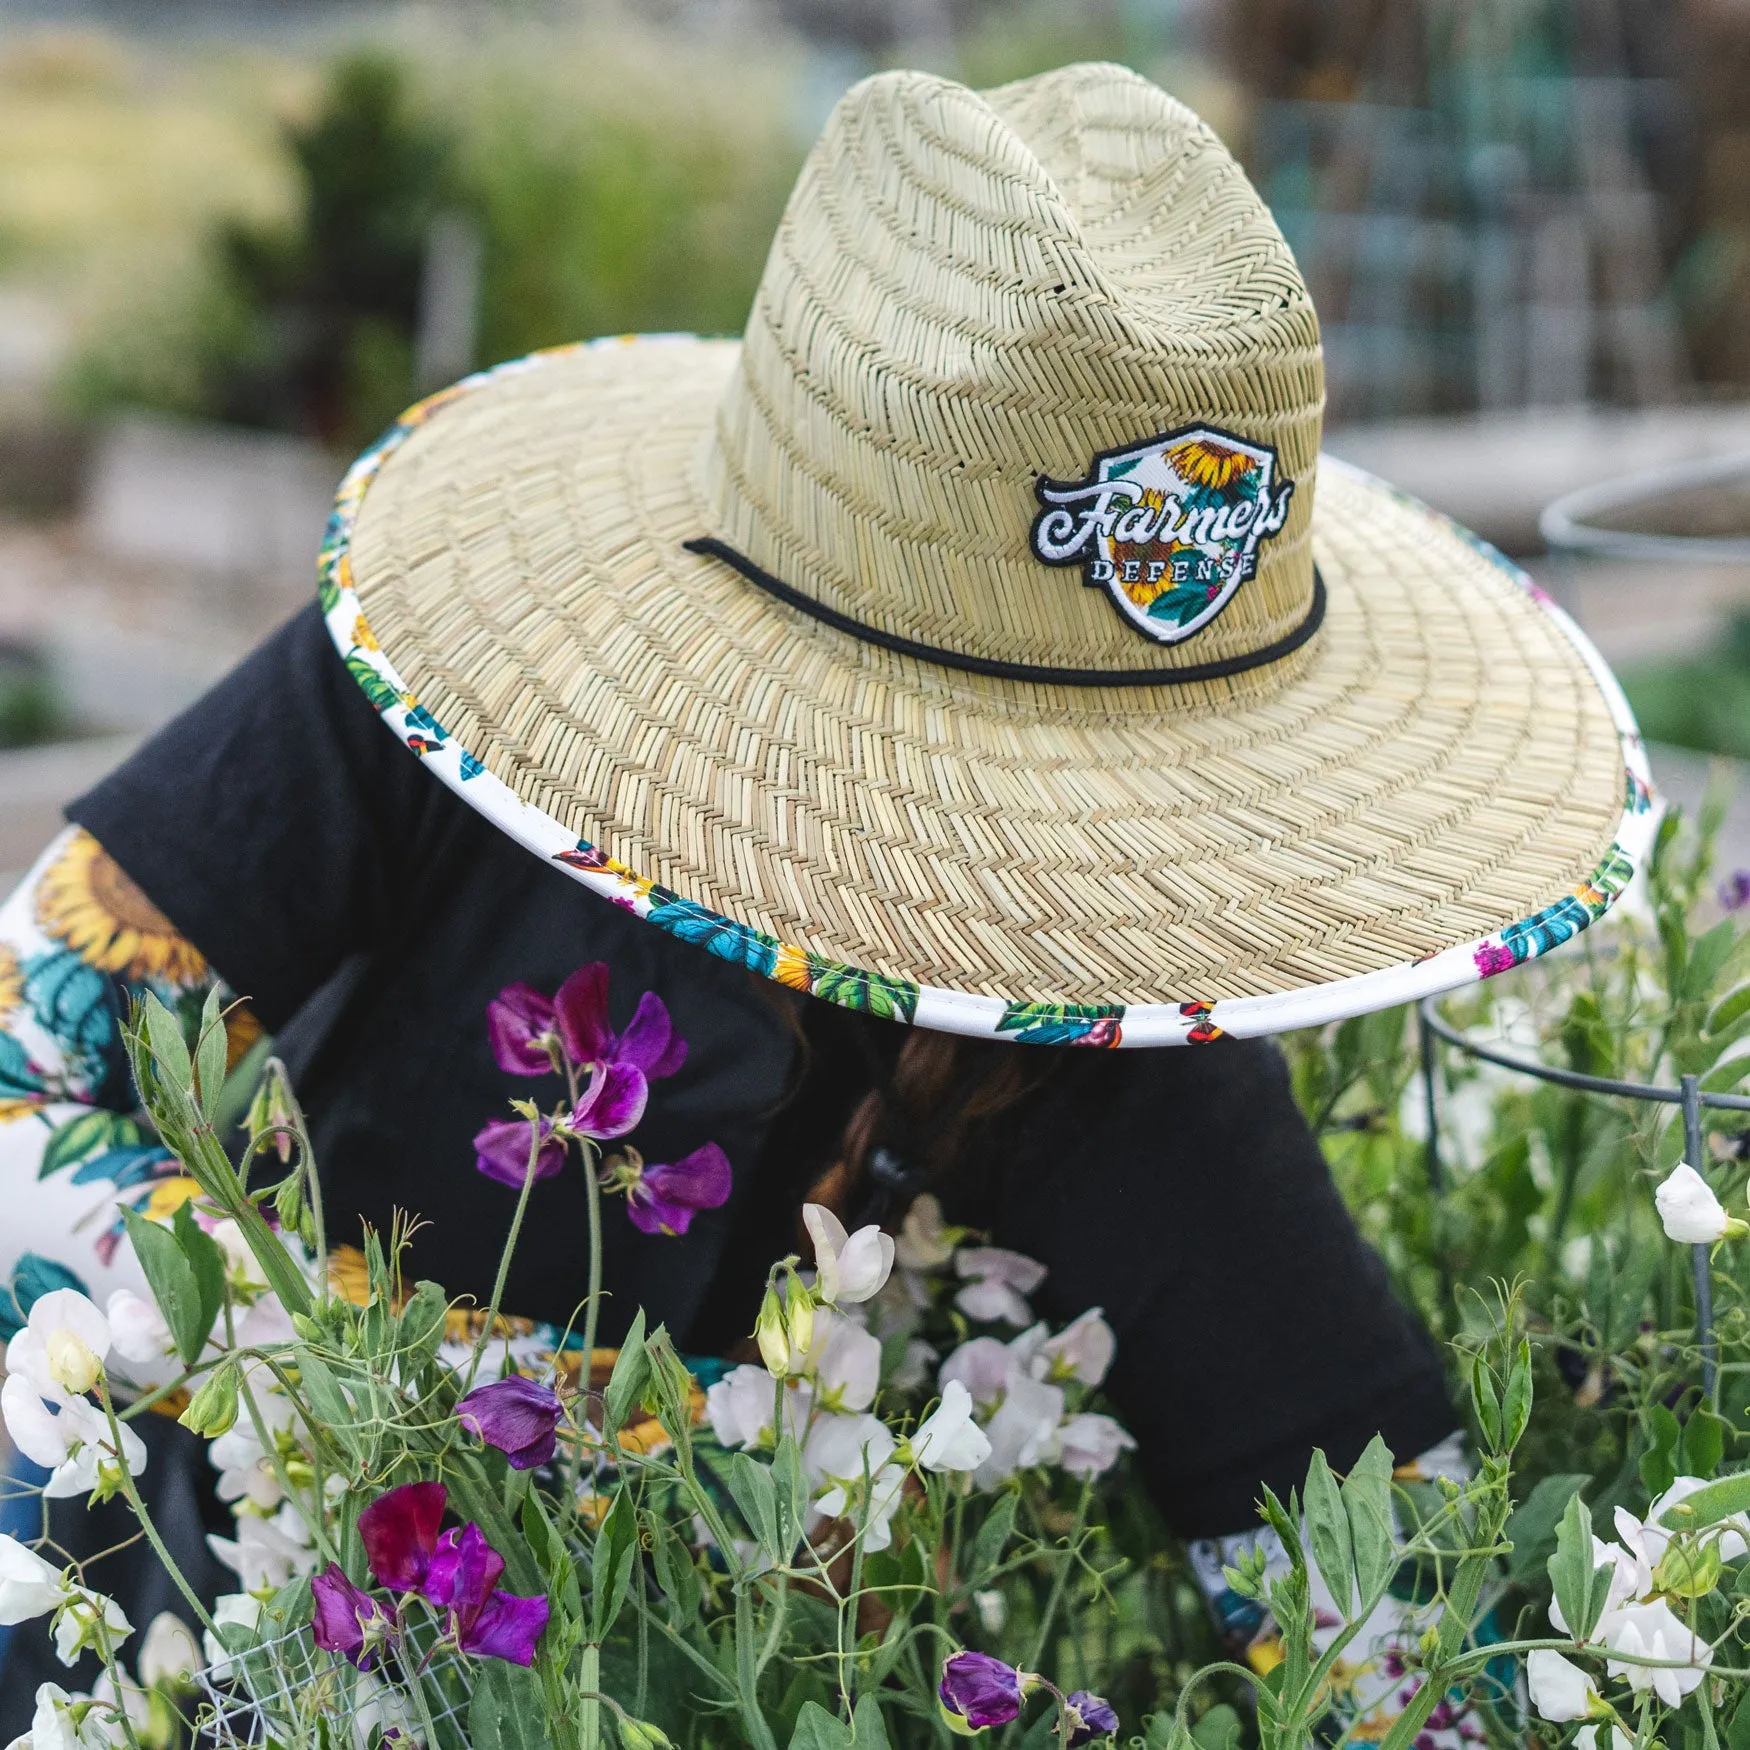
pixel 1169 528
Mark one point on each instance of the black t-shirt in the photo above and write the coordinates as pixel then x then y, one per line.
pixel 370 915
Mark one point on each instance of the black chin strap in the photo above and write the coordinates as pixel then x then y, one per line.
pixel 712 548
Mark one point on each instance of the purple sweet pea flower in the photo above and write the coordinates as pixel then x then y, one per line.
pixel 663 1199
pixel 502 1151
pixel 523 1029
pixel 1094 1717
pixel 979 1691
pixel 400 1533
pixel 515 1415
pixel 1735 890
pixel 507 1627
pixel 611 1105
pixel 460 1577
pixel 347 1620
pixel 648 1045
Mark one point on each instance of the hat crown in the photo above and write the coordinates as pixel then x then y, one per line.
pixel 978 309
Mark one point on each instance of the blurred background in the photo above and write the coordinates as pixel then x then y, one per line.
pixel 236 238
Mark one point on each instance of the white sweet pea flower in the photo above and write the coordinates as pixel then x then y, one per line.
pixel 925 1241
pixel 89 1622
pixel 740 1407
pixel 845 1362
pixel 380 1709
pixel 1651 1539
pixel 986 1366
pixel 1560 1690
pixel 62 1347
pixel 1655 1631
pixel 137 1329
pixel 73 1442
pixel 948 1438
pixel 267 1552
pixel 1690 1211
pixel 848 1268
pixel 168 1654
pixel 997 1282
pixel 233 1610
pixel 849 1455
pixel 72 1722
pixel 1089 1444
pixel 1023 1432
pixel 1082 1350
pixel 238 1455
pixel 29 1586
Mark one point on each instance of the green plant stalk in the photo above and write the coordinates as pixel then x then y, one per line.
pixel 753 1718
pixel 593 1305
pixel 589 1676
pixel 504 1257
pixel 139 1509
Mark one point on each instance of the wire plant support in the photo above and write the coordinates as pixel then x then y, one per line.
pixel 1688 1094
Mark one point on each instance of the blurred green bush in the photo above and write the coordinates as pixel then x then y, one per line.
pixel 613 190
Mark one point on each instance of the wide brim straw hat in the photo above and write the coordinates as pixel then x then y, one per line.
pixel 982 641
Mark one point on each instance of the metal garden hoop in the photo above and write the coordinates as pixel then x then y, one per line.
pixel 1688 1094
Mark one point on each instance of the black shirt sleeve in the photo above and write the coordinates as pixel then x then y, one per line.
pixel 267 822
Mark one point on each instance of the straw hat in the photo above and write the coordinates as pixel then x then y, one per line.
pixel 982 641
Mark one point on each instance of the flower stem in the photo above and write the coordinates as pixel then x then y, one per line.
pixel 129 1489
pixel 593 1305
pixel 510 1240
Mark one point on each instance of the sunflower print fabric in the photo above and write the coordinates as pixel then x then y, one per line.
pixel 79 942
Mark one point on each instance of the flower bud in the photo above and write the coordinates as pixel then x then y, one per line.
pixel 73 1364
pixel 771 1332
pixel 272 1115
pixel 1688 1569
pixel 641 1735
pixel 213 1409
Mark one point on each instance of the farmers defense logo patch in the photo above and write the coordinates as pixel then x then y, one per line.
pixel 1169 528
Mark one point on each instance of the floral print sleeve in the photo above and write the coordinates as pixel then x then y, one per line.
pixel 78 943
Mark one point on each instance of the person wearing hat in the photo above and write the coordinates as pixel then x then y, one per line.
pixel 979 645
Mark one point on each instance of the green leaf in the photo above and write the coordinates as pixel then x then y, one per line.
pixel 164 1039
pixel 1219 1729
pixel 422 1328
pixel 616 1553
pixel 206 1258
pixel 1580 1585
pixel 1327 1523
pixel 1532 1528
pixel 1721 1500
pixel 1659 1461
pixel 626 1383
pixel 816 1729
pixel 1516 1399
pixel 76 1139
pixel 210 1054
pixel 867 1725
pixel 1704 1442
pixel 1729 1011
pixel 171 1278
pixel 323 1391
pixel 993 1536
pixel 750 1482
pixel 1372 1535
pixel 508 1710
pixel 1738 1735
pixel 790 1493
pixel 676 1574
pixel 1486 1395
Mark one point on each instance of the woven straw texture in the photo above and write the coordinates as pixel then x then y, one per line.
pixel 968 291
pixel 1442 764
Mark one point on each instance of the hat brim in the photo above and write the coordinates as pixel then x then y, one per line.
pixel 1445 782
